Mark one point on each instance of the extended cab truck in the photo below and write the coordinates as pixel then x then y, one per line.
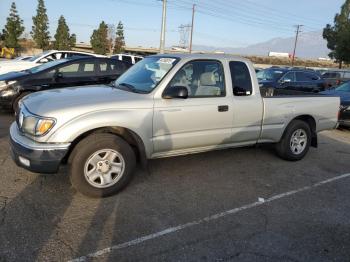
pixel 165 105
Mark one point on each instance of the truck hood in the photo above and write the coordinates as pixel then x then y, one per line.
pixel 75 101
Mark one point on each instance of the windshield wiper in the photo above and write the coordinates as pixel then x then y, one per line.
pixel 125 86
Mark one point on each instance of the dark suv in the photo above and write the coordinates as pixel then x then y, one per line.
pixel 291 79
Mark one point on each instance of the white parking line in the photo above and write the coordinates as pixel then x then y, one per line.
pixel 204 220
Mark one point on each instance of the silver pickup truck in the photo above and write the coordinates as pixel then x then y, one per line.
pixel 165 105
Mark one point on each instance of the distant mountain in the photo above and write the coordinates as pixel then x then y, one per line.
pixel 310 45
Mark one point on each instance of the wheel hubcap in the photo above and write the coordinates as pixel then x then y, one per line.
pixel 104 168
pixel 298 141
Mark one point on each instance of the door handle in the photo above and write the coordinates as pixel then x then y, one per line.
pixel 223 108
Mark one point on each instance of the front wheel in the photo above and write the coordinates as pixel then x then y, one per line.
pixel 295 142
pixel 101 165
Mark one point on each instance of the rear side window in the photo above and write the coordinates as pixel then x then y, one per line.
pixel 127 59
pixel 241 79
pixel 302 76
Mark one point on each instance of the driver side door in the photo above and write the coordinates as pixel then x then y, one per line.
pixel 201 121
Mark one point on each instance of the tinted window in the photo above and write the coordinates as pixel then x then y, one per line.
pixel 201 78
pixel 88 67
pixel 137 59
pixel 71 70
pixel 269 74
pixel 127 59
pixel 241 79
pixel 117 67
pixel 289 77
pixel 103 67
pixel 306 77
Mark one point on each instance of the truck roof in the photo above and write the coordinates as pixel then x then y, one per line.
pixel 203 56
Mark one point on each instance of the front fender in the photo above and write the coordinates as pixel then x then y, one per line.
pixel 137 120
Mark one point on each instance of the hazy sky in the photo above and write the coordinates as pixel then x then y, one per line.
pixel 218 23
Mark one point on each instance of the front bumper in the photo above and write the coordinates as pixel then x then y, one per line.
pixel 34 156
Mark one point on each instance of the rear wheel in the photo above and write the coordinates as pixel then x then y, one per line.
pixel 101 165
pixel 295 142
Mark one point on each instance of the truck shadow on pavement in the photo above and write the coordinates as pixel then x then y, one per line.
pixel 37 223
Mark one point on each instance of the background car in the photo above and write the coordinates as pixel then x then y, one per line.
pixel 336 77
pixel 343 91
pixel 23 58
pixel 133 59
pixel 67 72
pixel 291 79
pixel 47 56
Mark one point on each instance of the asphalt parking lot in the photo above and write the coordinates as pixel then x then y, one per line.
pixel 232 205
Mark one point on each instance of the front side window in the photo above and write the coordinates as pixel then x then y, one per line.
pixel 269 74
pixel 289 77
pixel 241 79
pixel 45 66
pixel 201 78
pixel 144 76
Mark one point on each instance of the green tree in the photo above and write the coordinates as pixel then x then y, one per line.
pixel 40 29
pixel 13 29
pixel 338 35
pixel 119 43
pixel 99 39
pixel 63 39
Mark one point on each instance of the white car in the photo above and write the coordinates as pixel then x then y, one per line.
pixel 47 56
pixel 23 58
pixel 132 59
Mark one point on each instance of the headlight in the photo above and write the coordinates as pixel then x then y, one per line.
pixel 36 125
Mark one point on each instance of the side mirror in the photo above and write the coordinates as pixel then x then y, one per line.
pixel 58 76
pixel 175 92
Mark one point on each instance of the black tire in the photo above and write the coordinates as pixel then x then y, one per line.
pixel 82 153
pixel 16 101
pixel 283 148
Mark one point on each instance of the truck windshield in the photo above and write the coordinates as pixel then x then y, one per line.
pixel 269 74
pixel 144 76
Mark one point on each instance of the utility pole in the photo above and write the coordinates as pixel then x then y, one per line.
pixel 296 41
pixel 192 24
pixel 162 34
